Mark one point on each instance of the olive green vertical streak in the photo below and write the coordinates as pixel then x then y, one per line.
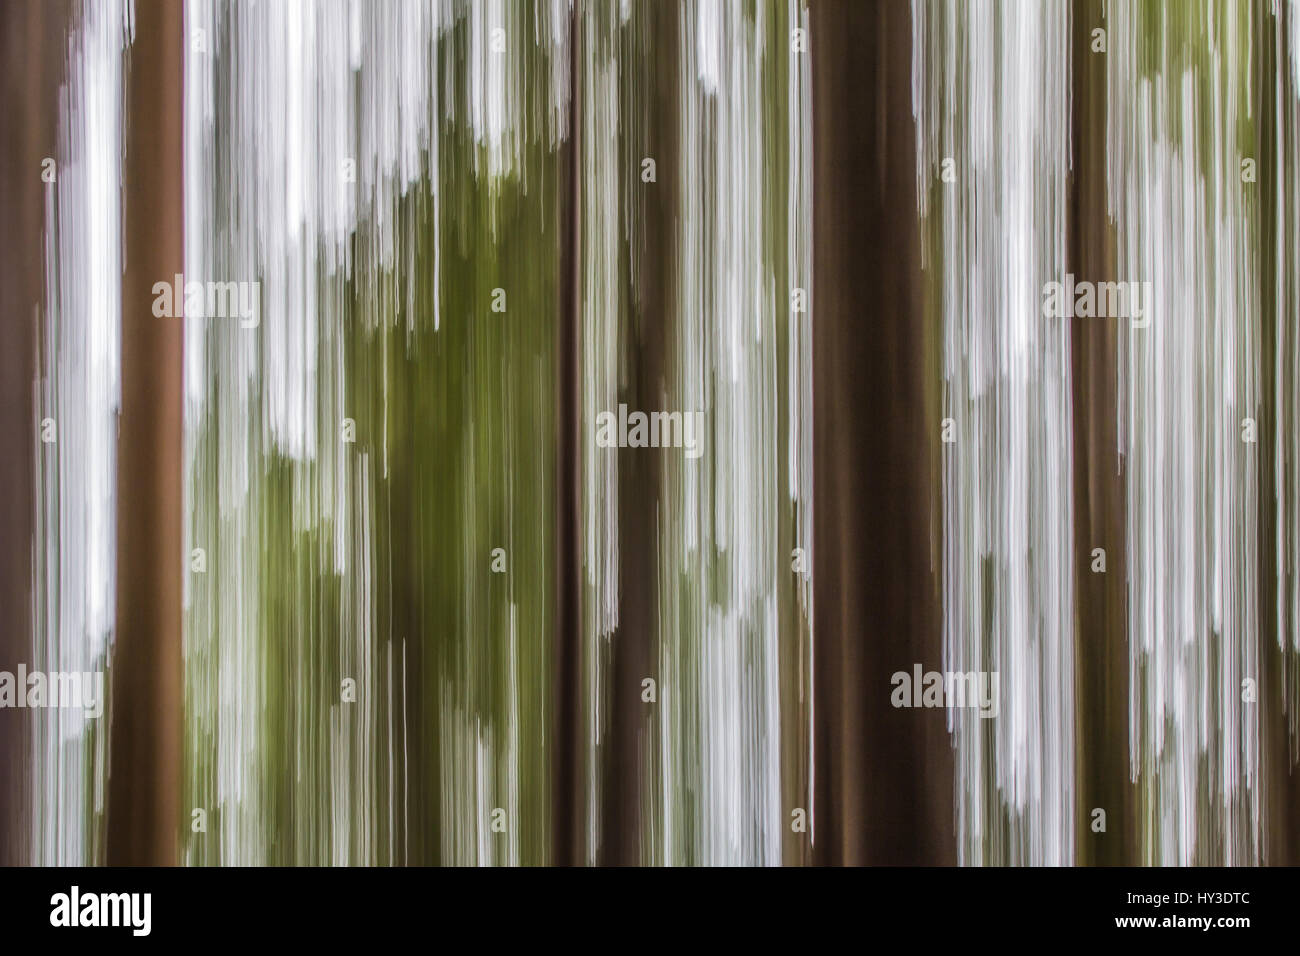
pixel 202 614
pixel 466 422
pixel 300 617
pixel 794 684
pixel 208 608
pixel 472 463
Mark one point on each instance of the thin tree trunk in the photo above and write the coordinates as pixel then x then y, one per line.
pixel 568 632
pixel 1281 776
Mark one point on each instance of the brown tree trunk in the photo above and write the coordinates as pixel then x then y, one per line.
pixel 651 327
pixel 145 771
pixel 1280 775
pixel 32 38
pixel 1101 635
pixel 884 776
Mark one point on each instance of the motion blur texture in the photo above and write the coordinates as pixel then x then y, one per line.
pixel 367 589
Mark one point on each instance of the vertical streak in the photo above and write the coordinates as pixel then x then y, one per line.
pixel 652 38
pixel 1179 115
pixel 145 739
pixel 1276 106
pixel 32 38
pixel 685 309
pixel 798 702
pixel 79 393
pixel 566 769
pixel 992 81
pixel 374 461
pixel 1101 644
pixel 884 776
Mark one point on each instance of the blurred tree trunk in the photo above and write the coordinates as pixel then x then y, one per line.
pixel 1274 90
pixel 884 775
pixel 567 779
pixel 32 36
pixel 635 646
pixel 146 706
pixel 1102 693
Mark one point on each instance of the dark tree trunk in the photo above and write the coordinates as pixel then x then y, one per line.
pixel 1101 629
pixel 884 776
